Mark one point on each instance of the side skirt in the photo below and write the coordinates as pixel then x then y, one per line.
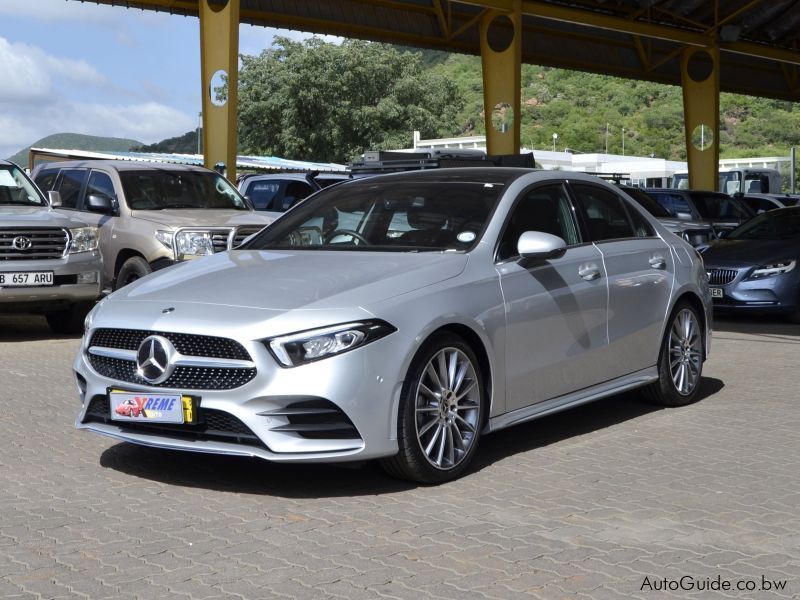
pixel 590 394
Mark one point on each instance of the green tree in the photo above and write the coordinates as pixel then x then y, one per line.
pixel 314 100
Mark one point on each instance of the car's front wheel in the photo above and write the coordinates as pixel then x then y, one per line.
pixel 132 269
pixel 680 361
pixel 440 414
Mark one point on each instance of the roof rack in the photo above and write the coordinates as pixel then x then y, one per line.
pixel 379 161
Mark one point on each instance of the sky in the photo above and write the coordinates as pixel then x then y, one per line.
pixel 77 67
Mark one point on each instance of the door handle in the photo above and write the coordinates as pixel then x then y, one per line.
pixel 589 271
pixel 657 262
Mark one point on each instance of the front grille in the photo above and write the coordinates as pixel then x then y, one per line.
pixel 243 232
pixel 315 419
pixel 721 276
pixel 211 425
pixel 187 344
pixel 219 240
pixel 46 243
pixel 186 378
pixel 183 377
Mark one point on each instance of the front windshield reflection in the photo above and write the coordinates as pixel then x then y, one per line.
pixel 772 225
pixel 387 216
pixel 16 188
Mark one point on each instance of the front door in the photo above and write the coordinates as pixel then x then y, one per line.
pixel 555 309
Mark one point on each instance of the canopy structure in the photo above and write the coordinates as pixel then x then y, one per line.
pixel 742 46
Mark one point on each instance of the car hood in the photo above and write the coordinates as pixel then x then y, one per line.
pixel 200 217
pixel 35 216
pixel 749 252
pixel 283 281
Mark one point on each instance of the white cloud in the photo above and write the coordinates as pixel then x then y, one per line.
pixel 72 10
pixel 27 72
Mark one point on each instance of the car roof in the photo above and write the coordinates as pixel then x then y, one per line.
pixel 499 175
pixel 123 165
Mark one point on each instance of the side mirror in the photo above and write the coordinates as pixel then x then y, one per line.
pixel 538 245
pixel 684 216
pixel 721 233
pixel 100 203
pixel 54 198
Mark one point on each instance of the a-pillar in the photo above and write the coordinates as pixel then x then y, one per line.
pixel 219 51
pixel 501 58
pixel 700 80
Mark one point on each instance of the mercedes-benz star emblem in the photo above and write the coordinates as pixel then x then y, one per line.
pixel 21 243
pixel 154 359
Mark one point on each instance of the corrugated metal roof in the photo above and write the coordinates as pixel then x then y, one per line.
pixel 639 39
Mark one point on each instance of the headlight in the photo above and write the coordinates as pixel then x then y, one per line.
pixel 315 344
pixel 772 270
pixel 83 239
pixel 165 237
pixel 193 243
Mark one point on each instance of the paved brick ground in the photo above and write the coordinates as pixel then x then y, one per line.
pixel 586 504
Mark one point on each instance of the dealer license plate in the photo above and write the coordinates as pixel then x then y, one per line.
pixel 151 408
pixel 716 292
pixel 23 279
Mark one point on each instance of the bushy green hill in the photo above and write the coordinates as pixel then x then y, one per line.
pixel 76 141
pixel 577 106
pixel 184 144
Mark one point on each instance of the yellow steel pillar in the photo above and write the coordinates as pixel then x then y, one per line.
pixel 501 57
pixel 219 50
pixel 700 80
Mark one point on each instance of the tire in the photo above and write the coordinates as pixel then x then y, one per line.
pixel 69 320
pixel 678 381
pixel 132 269
pixel 437 440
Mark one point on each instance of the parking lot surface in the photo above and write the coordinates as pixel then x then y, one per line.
pixel 612 500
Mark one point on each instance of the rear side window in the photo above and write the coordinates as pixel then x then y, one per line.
pixel 264 194
pixel 674 203
pixel 69 185
pixel 605 213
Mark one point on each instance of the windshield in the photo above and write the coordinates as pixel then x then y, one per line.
pixel 647 202
pixel 16 188
pixel 160 189
pixel 404 216
pixel 720 206
pixel 771 225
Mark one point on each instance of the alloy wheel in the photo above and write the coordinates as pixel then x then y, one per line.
pixel 447 408
pixel 685 352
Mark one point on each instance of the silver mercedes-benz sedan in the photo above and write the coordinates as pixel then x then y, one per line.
pixel 402 317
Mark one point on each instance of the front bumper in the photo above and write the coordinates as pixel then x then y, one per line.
pixel 361 387
pixel 66 288
pixel 770 295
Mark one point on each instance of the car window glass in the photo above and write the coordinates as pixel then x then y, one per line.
pixel 720 206
pixel 263 193
pixel 46 179
pixel 544 209
pixel 674 203
pixel 772 225
pixel 100 184
pixel 295 191
pixel 411 217
pixel 605 214
pixel 16 188
pixel 70 182
pixel 641 227
pixel 165 188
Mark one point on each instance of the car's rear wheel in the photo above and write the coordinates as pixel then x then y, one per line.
pixel 132 269
pixel 441 413
pixel 69 320
pixel 680 361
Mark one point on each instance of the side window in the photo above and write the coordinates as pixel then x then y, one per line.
pixel 295 191
pixel 674 203
pixel 100 184
pixel 544 209
pixel 641 227
pixel 46 179
pixel 69 185
pixel 262 194
pixel 605 214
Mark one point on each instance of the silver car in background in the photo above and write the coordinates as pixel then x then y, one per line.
pixel 401 317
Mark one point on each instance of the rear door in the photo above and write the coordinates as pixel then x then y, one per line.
pixel 555 309
pixel 640 271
